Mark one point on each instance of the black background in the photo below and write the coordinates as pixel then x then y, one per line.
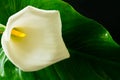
pixel 106 12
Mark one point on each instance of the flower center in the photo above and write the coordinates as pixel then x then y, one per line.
pixel 17 33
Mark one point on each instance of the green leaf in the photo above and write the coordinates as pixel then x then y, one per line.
pixel 94 54
pixel 9 72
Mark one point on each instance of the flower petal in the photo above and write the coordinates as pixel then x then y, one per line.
pixel 43 44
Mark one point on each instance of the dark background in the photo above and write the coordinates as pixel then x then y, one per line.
pixel 106 12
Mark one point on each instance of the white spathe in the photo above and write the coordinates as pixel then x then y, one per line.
pixel 43 44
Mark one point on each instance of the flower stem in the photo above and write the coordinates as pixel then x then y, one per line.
pixel 2 28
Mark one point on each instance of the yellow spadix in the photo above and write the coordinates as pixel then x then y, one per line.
pixel 18 33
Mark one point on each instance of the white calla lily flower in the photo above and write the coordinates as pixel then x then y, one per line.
pixel 33 40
